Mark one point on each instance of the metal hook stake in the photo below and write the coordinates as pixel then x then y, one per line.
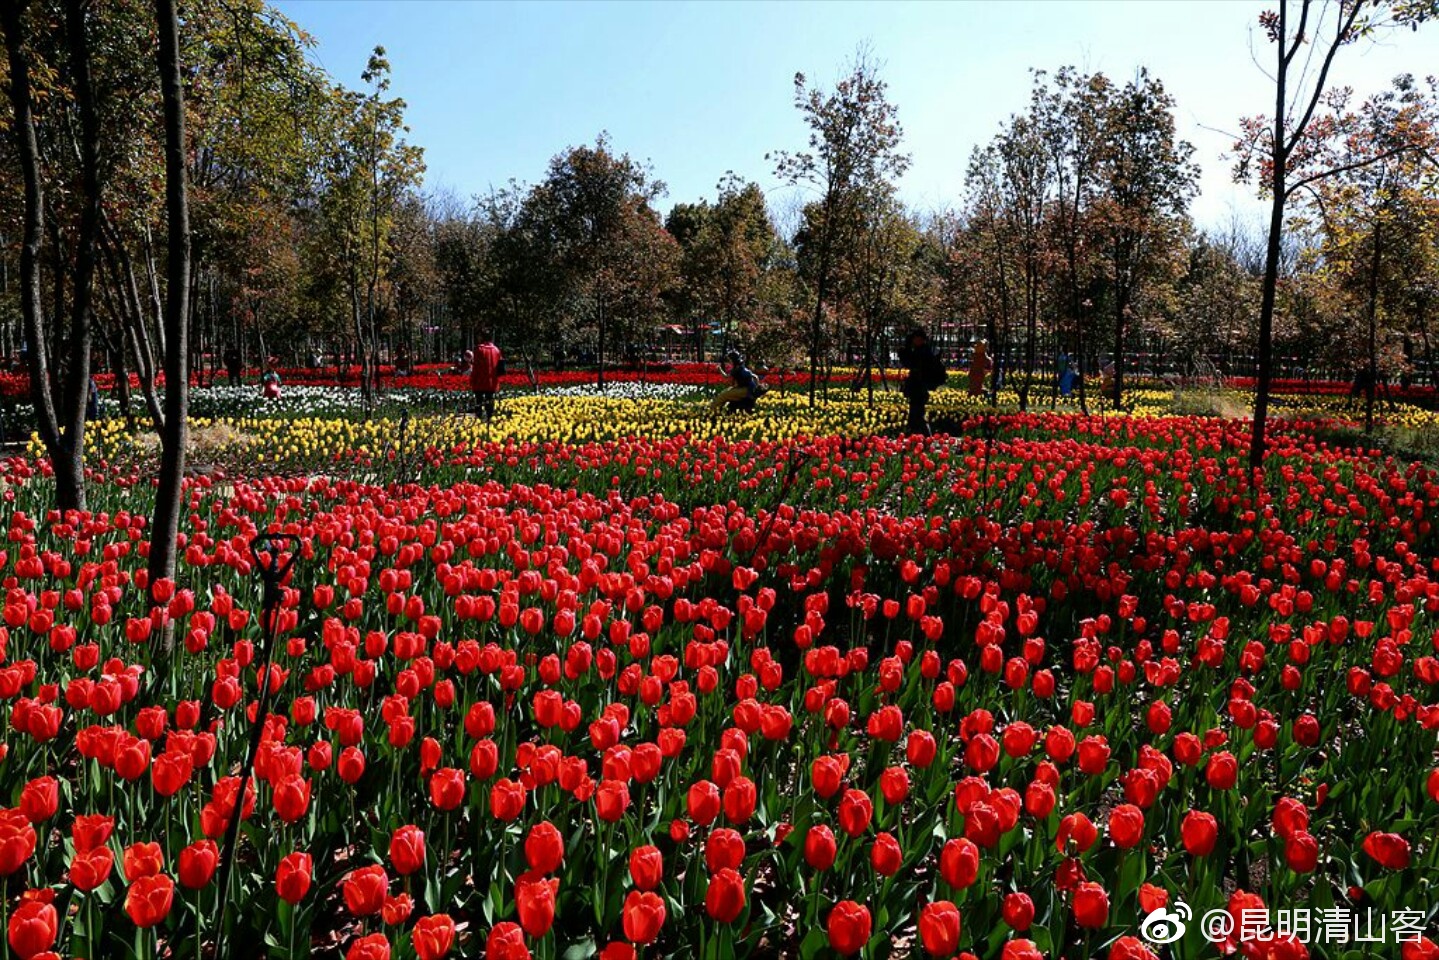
pixel 272 573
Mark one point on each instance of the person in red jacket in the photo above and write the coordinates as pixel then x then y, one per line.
pixel 485 376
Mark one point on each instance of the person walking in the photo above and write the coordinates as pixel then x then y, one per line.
pixel 270 381
pixel 925 373
pixel 1068 378
pixel 485 376
pixel 978 368
pixel 233 367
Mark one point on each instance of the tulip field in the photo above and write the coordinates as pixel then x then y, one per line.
pixel 609 678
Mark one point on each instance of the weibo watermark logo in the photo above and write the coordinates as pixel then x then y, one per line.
pixel 1166 925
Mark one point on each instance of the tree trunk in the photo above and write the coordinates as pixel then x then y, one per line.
pixel 77 394
pixel 1428 350
pixel 1121 307
pixel 600 353
pixel 1279 159
pixel 176 435
pixel 1031 326
pixel 65 449
pixel 816 323
pixel 359 339
pixel 135 328
pixel 1373 361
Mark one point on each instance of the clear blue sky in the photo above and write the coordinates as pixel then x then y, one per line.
pixel 697 89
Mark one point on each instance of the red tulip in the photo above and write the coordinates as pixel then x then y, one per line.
pixel 1131 948
pixel 373 947
pixel 820 848
pixel 1290 817
pixel 447 788
pixel 197 864
pixel 433 936
pixel 1091 906
pixel 1389 850
pixel 1126 825
pixel 644 915
pixel 407 850
pixel 1093 755
pixel 646 867
pixel 1199 831
pixel 535 898
pixel 91 868
pixel 724 848
pixel 725 896
pixel 506 942
pixel 848 927
pixel 292 877
pixel 171 772
pixel 1301 852
pixel 292 798
pixel 1222 770
pixel 91 830
pixel 1076 828
pixel 612 799
pixel 17 840
pixel 365 889
pixel 959 863
pixel 827 774
pixel 33 928
pixel 544 847
pixel 704 802
pixel 921 749
pixel 855 812
pixel 148 900
pixel 1151 898
pixel 507 800
pixel 886 856
pixel 1020 950
pixel 1018 911
pixel 40 798
pixel 1421 948
pixel 939 927
pixel 351 765
pixel 143 860
pixel 397 909
pixel 894 785
pixel 740 798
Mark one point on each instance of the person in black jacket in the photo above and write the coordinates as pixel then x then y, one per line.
pixel 925 372
pixel 745 389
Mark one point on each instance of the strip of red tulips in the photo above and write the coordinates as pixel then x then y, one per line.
pixel 689 698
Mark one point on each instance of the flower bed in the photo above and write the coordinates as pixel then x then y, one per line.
pixel 1003 694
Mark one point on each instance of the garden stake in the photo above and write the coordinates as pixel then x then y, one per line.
pixel 271 573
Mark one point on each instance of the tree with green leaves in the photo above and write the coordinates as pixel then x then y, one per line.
pixel 1371 211
pixel 175 438
pixel 608 257
pixel 57 340
pixel 1145 180
pixel 885 280
pixel 1217 298
pixel 368 169
pixel 1068 115
pixel 1026 188
pixel 853 151
pixel 1284 152
pixel 727 249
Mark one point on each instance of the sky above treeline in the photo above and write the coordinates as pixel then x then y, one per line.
pixel 698 89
